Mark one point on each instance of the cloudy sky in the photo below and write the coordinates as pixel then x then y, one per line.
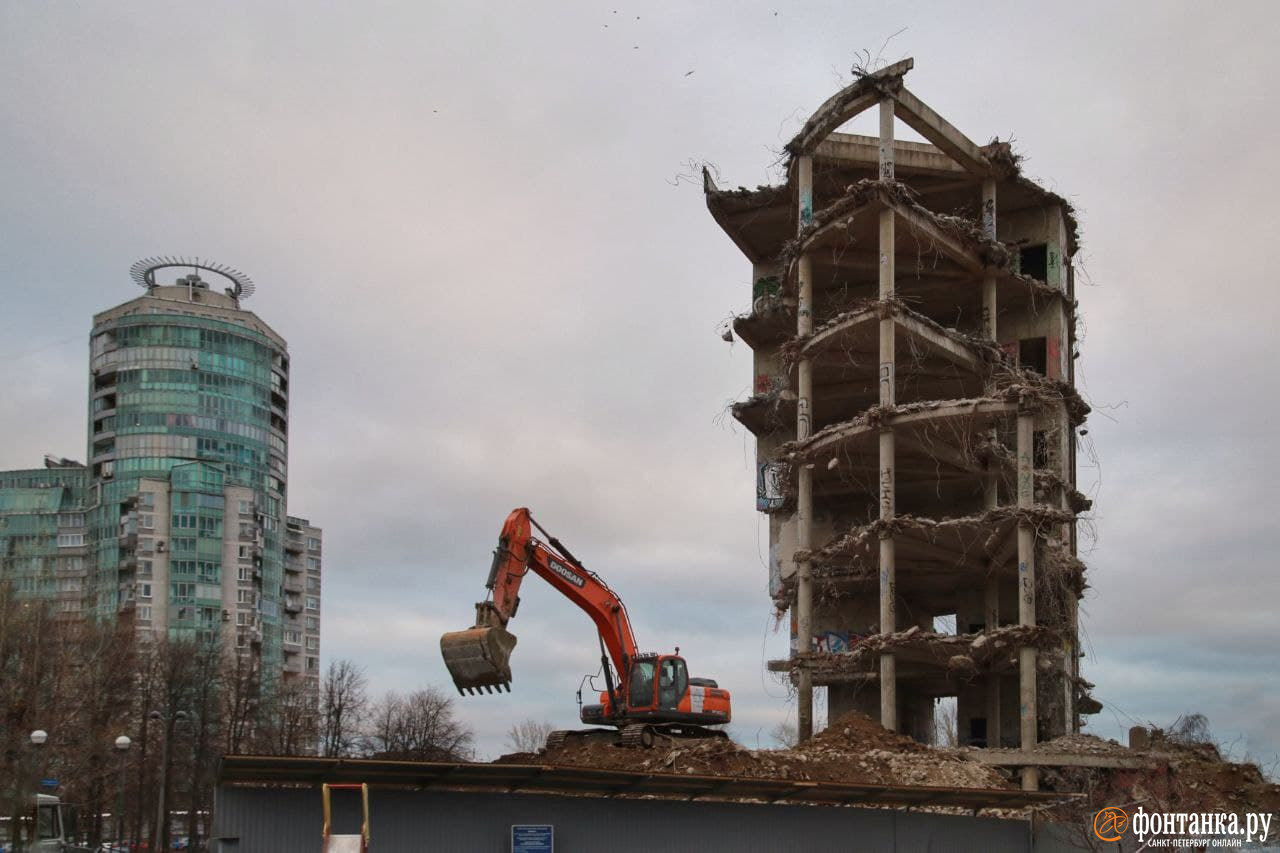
pixel 473 224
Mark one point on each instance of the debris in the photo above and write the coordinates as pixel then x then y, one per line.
pixel 854 748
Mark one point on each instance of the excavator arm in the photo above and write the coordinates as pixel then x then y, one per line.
pixel 480 657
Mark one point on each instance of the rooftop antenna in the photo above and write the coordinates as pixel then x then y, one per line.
pixel 144 271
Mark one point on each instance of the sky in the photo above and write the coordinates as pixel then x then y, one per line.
pixel 476 227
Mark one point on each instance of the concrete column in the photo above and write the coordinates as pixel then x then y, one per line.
pixel 804 185
pixel 989 283
pixel 991 610
pixel 991 483
pixel 1026 598
pixel 804 485
pixel 888 397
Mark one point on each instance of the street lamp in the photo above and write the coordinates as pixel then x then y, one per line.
pixel 160 837
pixel 122 746
pixel 39 738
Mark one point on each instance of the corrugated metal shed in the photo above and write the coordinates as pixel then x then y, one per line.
pixel 273 805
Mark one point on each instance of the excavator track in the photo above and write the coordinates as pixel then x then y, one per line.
pixel 648 735
pixel 638 736
pixel 580 737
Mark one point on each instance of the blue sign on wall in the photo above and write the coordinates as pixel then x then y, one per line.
pixel 532 838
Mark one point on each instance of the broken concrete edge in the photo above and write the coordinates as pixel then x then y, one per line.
pixel 763 414
pixel 1000 153
pixel 740 199
pixel 833 111
pixel 986 253
pixel 880 308
pixel 984 644
pixel 1023 389
pixel 1042 517
pixel 1069 214
pixel 770 321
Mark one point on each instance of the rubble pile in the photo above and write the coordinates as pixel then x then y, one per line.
pixel 852 749
pixel 1177 776
pixel 1180 777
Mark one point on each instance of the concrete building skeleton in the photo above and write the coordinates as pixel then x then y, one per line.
pixel 913 329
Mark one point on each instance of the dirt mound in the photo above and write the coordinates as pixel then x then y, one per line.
pixel 853 749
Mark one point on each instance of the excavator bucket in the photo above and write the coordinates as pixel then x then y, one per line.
pixel 479 658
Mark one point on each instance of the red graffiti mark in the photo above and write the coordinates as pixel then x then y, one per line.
pixel 1055 359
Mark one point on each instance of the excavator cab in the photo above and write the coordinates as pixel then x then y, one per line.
pixel 657 682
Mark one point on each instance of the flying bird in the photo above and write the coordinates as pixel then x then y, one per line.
pixel 688 73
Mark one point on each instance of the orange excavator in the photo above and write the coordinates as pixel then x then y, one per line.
pixel 647 696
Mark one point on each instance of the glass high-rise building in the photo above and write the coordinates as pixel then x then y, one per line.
pixel 182 504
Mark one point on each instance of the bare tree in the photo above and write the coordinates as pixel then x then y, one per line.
pixel 241 698
pixel 419 726
pixel 344 705
pixel 946 731
pixel 784 734
pixel 528 736
pixel 293 729
pixel 1190 729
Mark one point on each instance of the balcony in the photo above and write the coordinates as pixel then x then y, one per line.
pixel 294 544
pixel 293 605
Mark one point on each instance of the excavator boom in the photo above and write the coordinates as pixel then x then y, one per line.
pixel 646 697
pixel 479 658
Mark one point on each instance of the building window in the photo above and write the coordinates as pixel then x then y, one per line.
pixel 313 564
pixel 148 498
pixel 1034 261
pixel 313 624
pixel 144 612
pixel 313 644
pixel 147 522
pixel 1033 354
pixel 144 590
pixel 313 543
pixel 246 596
pixel 71 519
pixel 313 604
pixel 70 540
